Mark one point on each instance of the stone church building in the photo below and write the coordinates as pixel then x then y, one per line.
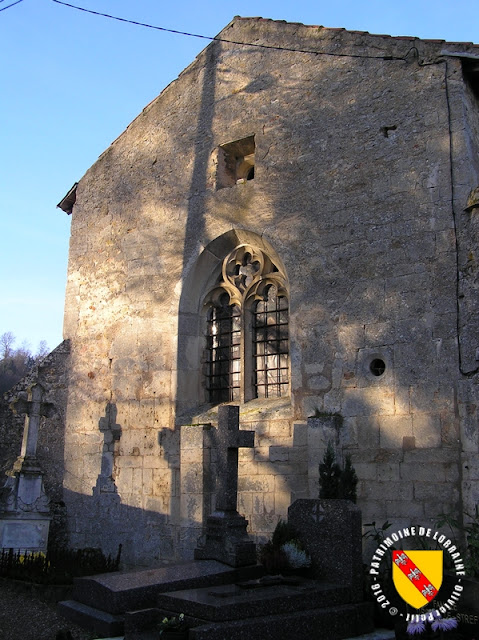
pixel 291 226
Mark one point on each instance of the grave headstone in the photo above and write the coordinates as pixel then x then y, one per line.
pixel 331 532
pixel 24 506
pixel 226 538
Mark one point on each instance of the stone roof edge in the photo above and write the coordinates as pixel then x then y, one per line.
pixel 352 31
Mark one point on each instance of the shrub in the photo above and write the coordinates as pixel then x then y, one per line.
pixel 336 482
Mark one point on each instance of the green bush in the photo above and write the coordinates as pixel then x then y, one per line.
pixel 336 482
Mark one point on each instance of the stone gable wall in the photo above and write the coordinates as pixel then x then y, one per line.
pixel 352 190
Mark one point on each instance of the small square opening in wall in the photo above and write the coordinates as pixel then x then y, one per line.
pixel 235 162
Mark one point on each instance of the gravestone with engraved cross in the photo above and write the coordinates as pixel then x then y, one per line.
pixel 24 506
pixel 225 538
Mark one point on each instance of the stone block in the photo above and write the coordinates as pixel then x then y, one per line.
pixel 365 471
pixel 300 434
pixel 368 401
pixel 430 397
pixel 279 454
pixel 426 429
pixel 128 462
pixel 282 501
pixel 373 511
pixel 192 479
pixel 264 523
pixel 433 492
pixel 387 472
pixel 191 456
pixel 368 431
pixel 423 472
pixel 290 482
pixel 411 511
pixel 191 509
pixel 432 456
pixel 155 505
pixel 261 453
pixel 245 503
pixel 470 466
pixel 137 479
pixel 256 484
pixel 280 428
pixel 393 429
pixel 298 456
pixel 246 456
pixel 452 472
pixel 323 430
pixel 385 490
pixel 449 429
pixel 147 481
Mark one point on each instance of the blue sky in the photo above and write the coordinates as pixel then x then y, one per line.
pixel 71 82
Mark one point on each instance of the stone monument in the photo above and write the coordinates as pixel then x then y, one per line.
pixel 331 532
pixel 225 538
pixel 24 506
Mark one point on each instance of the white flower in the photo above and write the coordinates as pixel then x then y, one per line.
pixel 297 558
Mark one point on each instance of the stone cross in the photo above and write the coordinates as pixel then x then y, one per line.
pixel 111 434
pixel 34 409
pixel 25 501
pixel 226 538
pixel 229 439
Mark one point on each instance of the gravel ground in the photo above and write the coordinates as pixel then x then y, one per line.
pixel 29 613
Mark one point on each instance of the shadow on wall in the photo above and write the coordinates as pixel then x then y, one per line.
pixel 117 509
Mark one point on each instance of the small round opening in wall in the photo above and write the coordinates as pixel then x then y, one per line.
pixel 377 367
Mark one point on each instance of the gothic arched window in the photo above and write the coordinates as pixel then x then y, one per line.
pixel 247 349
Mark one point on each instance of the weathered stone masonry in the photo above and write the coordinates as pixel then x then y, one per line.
pixel 364 156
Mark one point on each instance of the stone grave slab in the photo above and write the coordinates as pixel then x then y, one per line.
pixel 121 591
pixel 331 532
pixel 113 594
pixel 234 601
pixel 105 624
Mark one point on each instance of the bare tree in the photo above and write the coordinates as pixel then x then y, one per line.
pixel 7 340
pixel 17 363
pixel 42 350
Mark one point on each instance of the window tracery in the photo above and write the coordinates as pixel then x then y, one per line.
pixel 247 352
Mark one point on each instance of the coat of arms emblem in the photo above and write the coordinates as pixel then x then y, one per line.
pixel 417 575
